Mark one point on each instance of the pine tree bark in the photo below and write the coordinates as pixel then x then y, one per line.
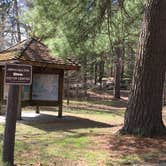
pixel 117 73
pixel 101 72
pixel 17 21
pixel 95 73
pixel 3 15
pixel 144 112
pixel 84 70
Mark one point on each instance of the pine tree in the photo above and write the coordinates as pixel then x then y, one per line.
pixel 144 111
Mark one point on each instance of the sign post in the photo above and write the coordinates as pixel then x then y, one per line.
pixel 15 75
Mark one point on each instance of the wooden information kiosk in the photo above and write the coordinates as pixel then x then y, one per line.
pixel 47 75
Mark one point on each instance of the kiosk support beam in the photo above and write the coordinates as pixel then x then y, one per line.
pixel 61 80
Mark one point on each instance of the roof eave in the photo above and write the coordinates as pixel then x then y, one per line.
pixel 51 65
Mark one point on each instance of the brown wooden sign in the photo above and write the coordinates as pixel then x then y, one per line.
pixel 18 74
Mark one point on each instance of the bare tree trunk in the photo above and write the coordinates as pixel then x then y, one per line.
pixel 2 36
pixel 101 72
pixel 117 73
pixel 123 62
pixel 85 75
pixel 4 14
pixel 17 21
pixel 144 111
pixel 95 73
pixel 111 68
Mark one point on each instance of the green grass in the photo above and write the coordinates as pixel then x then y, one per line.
pixel 69 142
pixel 52 145
pixel 66 143
pixel 95 112
pixel 96 107
pixel 113 103
pixel 35 145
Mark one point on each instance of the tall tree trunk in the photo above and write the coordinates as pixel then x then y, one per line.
pixel 95 73
pixel 101 72
pixel 85 75
pixel 2 36
pixel 111 71
pixel 117 73
pixel 144 111
pixel 112 68
pixel 122 69
pixel 123 61
pixel 17 21
pixel 4 15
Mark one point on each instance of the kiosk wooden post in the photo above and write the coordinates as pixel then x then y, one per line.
pixel 68 88
pixel 1 90
pixel 61 78
pixel 37 110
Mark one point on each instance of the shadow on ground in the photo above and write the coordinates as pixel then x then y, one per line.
pixel 52 123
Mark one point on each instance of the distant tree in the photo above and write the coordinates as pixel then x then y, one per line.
pixel 5 6
pixel 88 28
pixel 12 27
pixel 16 13
pixel 144 111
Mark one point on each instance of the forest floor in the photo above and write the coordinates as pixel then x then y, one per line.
pixel 87 135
